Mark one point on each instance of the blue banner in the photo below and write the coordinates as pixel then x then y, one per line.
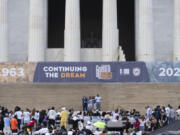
pixel 164 71
pixel 91 72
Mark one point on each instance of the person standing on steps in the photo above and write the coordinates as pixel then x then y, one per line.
pixel 98 102
pixel 84 103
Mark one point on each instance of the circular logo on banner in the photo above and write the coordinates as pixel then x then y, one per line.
pixel 136 71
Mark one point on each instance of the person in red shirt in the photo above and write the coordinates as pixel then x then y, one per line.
pixel 31 123
pixel 14 124
pixel 136 124
pixel 29 126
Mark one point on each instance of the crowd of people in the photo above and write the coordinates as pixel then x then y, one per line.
pixel 70 122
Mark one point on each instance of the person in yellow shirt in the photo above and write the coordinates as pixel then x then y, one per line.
pixel 64 117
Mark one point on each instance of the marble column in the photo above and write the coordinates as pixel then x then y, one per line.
pixel 3 31
pixel 145 46
pixel 37 30
pixel 72 36
pixel 110 43
pixel 176 52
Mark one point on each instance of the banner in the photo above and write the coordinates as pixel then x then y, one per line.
pixel 91 72
pixel 164 71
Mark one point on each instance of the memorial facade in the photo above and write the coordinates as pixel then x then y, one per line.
pixel 89 30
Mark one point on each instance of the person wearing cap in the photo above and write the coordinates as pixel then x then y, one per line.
pixel 64 117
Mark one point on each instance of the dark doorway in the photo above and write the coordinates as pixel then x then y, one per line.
pixel 91 25
pixel 56 22
pixel 126 25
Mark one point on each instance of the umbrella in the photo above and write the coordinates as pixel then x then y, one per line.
pixel 100 124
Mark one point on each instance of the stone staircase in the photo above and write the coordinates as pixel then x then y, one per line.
pixel 114 95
